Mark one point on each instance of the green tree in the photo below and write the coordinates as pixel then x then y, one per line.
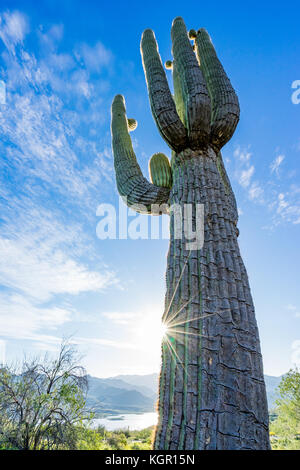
pixel 42 403
pixel 90 439
pixel 117 440
pixel 285 429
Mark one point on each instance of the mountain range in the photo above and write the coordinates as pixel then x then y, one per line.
pixel 138 393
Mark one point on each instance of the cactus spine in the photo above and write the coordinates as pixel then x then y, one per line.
pixel 212 391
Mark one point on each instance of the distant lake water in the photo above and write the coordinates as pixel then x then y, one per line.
pixel 135 422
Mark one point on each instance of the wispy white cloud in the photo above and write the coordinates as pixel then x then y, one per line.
pixel 30 320
pixel 288 208
pixel 256 192
pixel 121 318
pixel 274 167
pixel 295 358
pixel 45 254
pixel 242 154
pixel 2 351
pixel 103 342
pixel 244 172
pixel 283 204
pixel 22 319
pixel 52 169
pixel 52 346
pixel 294 309
pixel 245 176
pixel 94 57
pixel 42 128
pixel 48 154
pixel 50 38
pixel 39 274
pixel 13 28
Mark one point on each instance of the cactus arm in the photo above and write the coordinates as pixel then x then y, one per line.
pixel 225 104
pixel 193 86
pixel 130 181
pixel 161 101
pixel 160 170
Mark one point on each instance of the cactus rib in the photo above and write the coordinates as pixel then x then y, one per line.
pixel 193 86
pixel 161 101
pixel 225 104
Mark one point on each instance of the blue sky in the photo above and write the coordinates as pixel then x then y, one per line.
pixel 62 63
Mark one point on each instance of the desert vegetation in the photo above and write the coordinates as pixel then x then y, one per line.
pixel 285 426
pixel 43 407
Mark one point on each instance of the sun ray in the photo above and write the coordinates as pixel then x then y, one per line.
pixel 177 285
pixel 173 351
pixel 170 325
pixel 169 321
pixel 189 333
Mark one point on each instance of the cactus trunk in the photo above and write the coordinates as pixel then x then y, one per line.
pixel 211 392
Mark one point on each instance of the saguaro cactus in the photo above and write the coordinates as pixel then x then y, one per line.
pixel 211 391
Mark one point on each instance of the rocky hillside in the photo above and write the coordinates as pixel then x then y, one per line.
pixel 138 393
